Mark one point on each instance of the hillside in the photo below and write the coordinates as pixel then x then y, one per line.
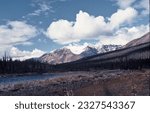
pixel 134 57
pixel 64 55
pixel 59 56
pixel 143 39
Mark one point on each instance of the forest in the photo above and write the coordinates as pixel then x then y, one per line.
pixel 9 66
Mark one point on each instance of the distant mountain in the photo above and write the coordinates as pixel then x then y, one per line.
pixel 136 55
pixel 143 39
pixel 64 55
pixel 58 56
pixel 129 48
pixel 107 48
pixel 89 51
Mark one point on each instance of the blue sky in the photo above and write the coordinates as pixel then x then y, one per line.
pixel 30 28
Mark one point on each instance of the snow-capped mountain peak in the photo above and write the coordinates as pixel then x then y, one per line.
pixel 77 49
pixel 75 52
pixel 107 48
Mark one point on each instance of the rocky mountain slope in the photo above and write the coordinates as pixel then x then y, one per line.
pixel 134 57
pixel 59 56
pixel 64 55
pixel 143 39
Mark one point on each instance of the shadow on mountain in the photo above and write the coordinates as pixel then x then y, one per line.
pixel 134 55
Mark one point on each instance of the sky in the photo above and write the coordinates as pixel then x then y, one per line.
pixel 30 28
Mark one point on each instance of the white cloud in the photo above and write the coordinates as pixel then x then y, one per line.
pixel 42 8
pixel 138 4
pixel 124 35
pixel 144 5
pixel 87 26
pixel 78 48
pixel 124 3
pixel 15 33
pixel 61 32
pixel 122 16
pixel 120 37
pixel 15 53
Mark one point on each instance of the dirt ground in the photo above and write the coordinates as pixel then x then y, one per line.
pixel 85 83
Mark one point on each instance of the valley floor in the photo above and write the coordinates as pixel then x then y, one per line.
pixel 85 83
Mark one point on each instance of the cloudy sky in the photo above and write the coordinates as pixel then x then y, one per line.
pixel 30 28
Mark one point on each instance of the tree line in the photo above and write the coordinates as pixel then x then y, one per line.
pixel 9 66
pixel 135 59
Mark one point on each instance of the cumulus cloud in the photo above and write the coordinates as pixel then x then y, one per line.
pixel 120 37
pixel 138 4
pixel 61 32
pixel 124 3
pixel 15 33
pixel 87 26
pixel 124 35
pixel 122 16
pixel 15 53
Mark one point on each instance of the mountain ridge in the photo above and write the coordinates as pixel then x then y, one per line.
pixel 64 55
pixel 145 38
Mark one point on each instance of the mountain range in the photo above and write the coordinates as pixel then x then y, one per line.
pixel 135 56
pixel 65 54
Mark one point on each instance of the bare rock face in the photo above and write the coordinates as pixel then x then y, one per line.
pixel 89 51
pixel 107 48
pixel 143 39
pixel 65 55
pixel 59 56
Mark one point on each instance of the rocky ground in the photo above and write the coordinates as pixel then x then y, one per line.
pixel 92 83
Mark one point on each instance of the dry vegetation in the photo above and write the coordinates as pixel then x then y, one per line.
pixel 106 82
